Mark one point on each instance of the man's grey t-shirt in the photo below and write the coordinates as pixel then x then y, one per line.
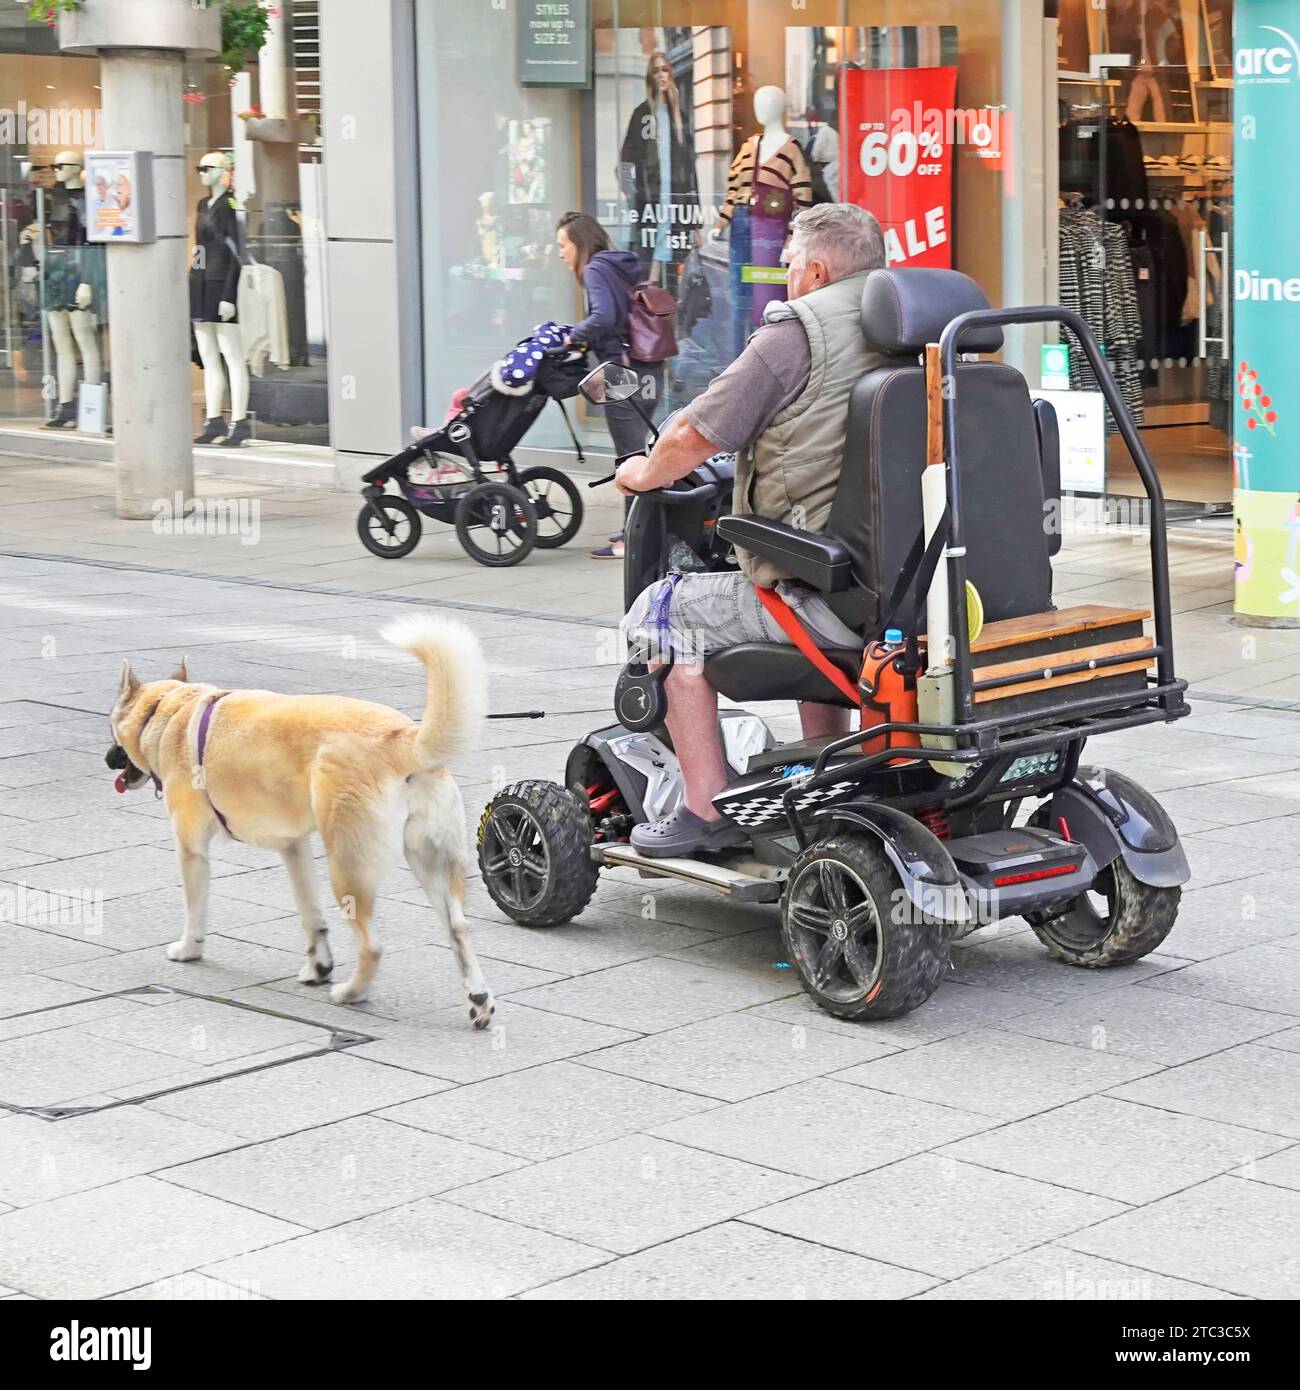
pixel 769 375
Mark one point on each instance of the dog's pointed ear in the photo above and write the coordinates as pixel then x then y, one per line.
pixel 182 672
pixel 127 685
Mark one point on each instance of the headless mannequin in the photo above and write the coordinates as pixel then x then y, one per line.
pixel 769 112
pixel 220 338
pixel 73 331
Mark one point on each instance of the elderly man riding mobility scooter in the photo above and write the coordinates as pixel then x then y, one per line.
pixel 962 798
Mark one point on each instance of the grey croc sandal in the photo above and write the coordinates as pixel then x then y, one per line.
pixel 682 834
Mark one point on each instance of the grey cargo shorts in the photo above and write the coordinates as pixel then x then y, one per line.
pixel 709 612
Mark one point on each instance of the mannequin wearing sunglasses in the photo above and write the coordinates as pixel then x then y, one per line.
pixel 73 284
pixel 214 288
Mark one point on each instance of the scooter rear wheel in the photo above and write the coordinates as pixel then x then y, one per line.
pixel 394 535
pixel 534 850
pixel 1119 920
pixel 857 955
pixel 496 524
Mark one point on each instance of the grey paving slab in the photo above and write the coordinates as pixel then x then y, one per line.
pixel 1282 1168
pixel 595 941
pixel 736 1055
pixel 823 1129
pixel 418 980
pixel 27 950
pixel 1229 1233
pixel 1288 1041
pixel 204 1032
pixel 1224 917
pixel 1053 1272
pixel 427 1249
pixel 41 1160
pixel 21 994
pixel 1257 977
pixel 996 1073
pixel 651 996
pixel 935 1215
pixel 299 1095
pixel 75 1015
pixel 1150 1024
pixel 339 1172
pixel 156 918
pixel 629 1193
pixel 187 1287
pixel 226 965
pixel 1254 1086
pixel 953 1008
pixel 124 1235
pixel 547 1110
pixel 736 1261
pixel 1114 1148
pixel 1020 964
pixel 443 1044
pixel 46 1069
pixel 114 873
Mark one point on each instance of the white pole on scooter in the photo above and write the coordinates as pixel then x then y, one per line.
pixel 935 693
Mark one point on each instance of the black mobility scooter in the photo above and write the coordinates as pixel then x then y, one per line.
pixel 963 798
pixel 499 519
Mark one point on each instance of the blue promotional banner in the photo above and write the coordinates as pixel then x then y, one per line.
pixel 1266 309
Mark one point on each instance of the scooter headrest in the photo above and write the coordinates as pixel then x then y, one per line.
pixel 903 310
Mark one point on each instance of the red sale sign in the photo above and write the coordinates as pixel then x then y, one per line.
pixel 896 141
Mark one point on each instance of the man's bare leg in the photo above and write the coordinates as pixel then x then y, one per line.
pixel 818 721
pixel 693 724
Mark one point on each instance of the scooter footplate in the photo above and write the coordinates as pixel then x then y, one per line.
pixel 743 887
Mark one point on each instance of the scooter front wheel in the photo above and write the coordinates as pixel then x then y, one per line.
pixel 496 524
pixel 389 527
pixel 534 850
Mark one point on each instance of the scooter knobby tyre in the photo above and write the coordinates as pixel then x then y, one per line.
pixel 534 851
pixel 1137 919
pixel 400 511
pixel 862 951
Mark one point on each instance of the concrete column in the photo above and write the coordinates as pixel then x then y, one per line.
pixel 148 295
pixel 142 47
pixel 372 229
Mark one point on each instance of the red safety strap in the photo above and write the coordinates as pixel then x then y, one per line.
pixel 794 630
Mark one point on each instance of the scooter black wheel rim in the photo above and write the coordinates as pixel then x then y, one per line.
pixel 558 504
pixel 394 534
pixel 514 855
pixel 834 930
pixel 496 524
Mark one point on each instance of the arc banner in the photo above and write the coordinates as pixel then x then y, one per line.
pixel 896 152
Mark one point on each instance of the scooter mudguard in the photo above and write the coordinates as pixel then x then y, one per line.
pixel 924 866
pixel 1113 817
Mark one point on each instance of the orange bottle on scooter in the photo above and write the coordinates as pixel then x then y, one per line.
pixel 888 693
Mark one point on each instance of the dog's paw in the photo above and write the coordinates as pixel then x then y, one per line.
pixel 345 994
pixel 185 950
pixel 481 1008
pixel 315 972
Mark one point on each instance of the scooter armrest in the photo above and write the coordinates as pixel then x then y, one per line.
pixel 817 559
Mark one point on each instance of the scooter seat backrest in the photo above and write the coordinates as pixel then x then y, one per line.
pixel 877 508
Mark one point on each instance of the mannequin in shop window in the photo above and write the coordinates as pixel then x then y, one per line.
pixel 769 182
pixel 214 293
pixel 658 174
pixel 73 286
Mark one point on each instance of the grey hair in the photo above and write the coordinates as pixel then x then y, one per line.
pixel 845 237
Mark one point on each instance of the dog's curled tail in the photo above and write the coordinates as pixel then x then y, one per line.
pixel 456 701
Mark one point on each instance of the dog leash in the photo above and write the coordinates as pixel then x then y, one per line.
pixel 204 720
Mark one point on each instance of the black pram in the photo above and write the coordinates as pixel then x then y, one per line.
pixel 500 519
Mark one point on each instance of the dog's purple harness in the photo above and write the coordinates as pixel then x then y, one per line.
pixel 204 720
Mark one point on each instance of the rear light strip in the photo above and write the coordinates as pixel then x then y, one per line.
pixel 1007 879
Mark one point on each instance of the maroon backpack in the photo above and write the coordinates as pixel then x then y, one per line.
pixel 651 319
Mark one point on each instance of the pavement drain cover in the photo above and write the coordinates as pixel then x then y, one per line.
pixel 137 1044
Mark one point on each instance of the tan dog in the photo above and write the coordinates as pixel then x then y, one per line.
pixel 271 769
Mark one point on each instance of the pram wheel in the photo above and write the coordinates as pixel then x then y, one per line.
pixel 558 503
pixel 496 524
pixel 394 533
